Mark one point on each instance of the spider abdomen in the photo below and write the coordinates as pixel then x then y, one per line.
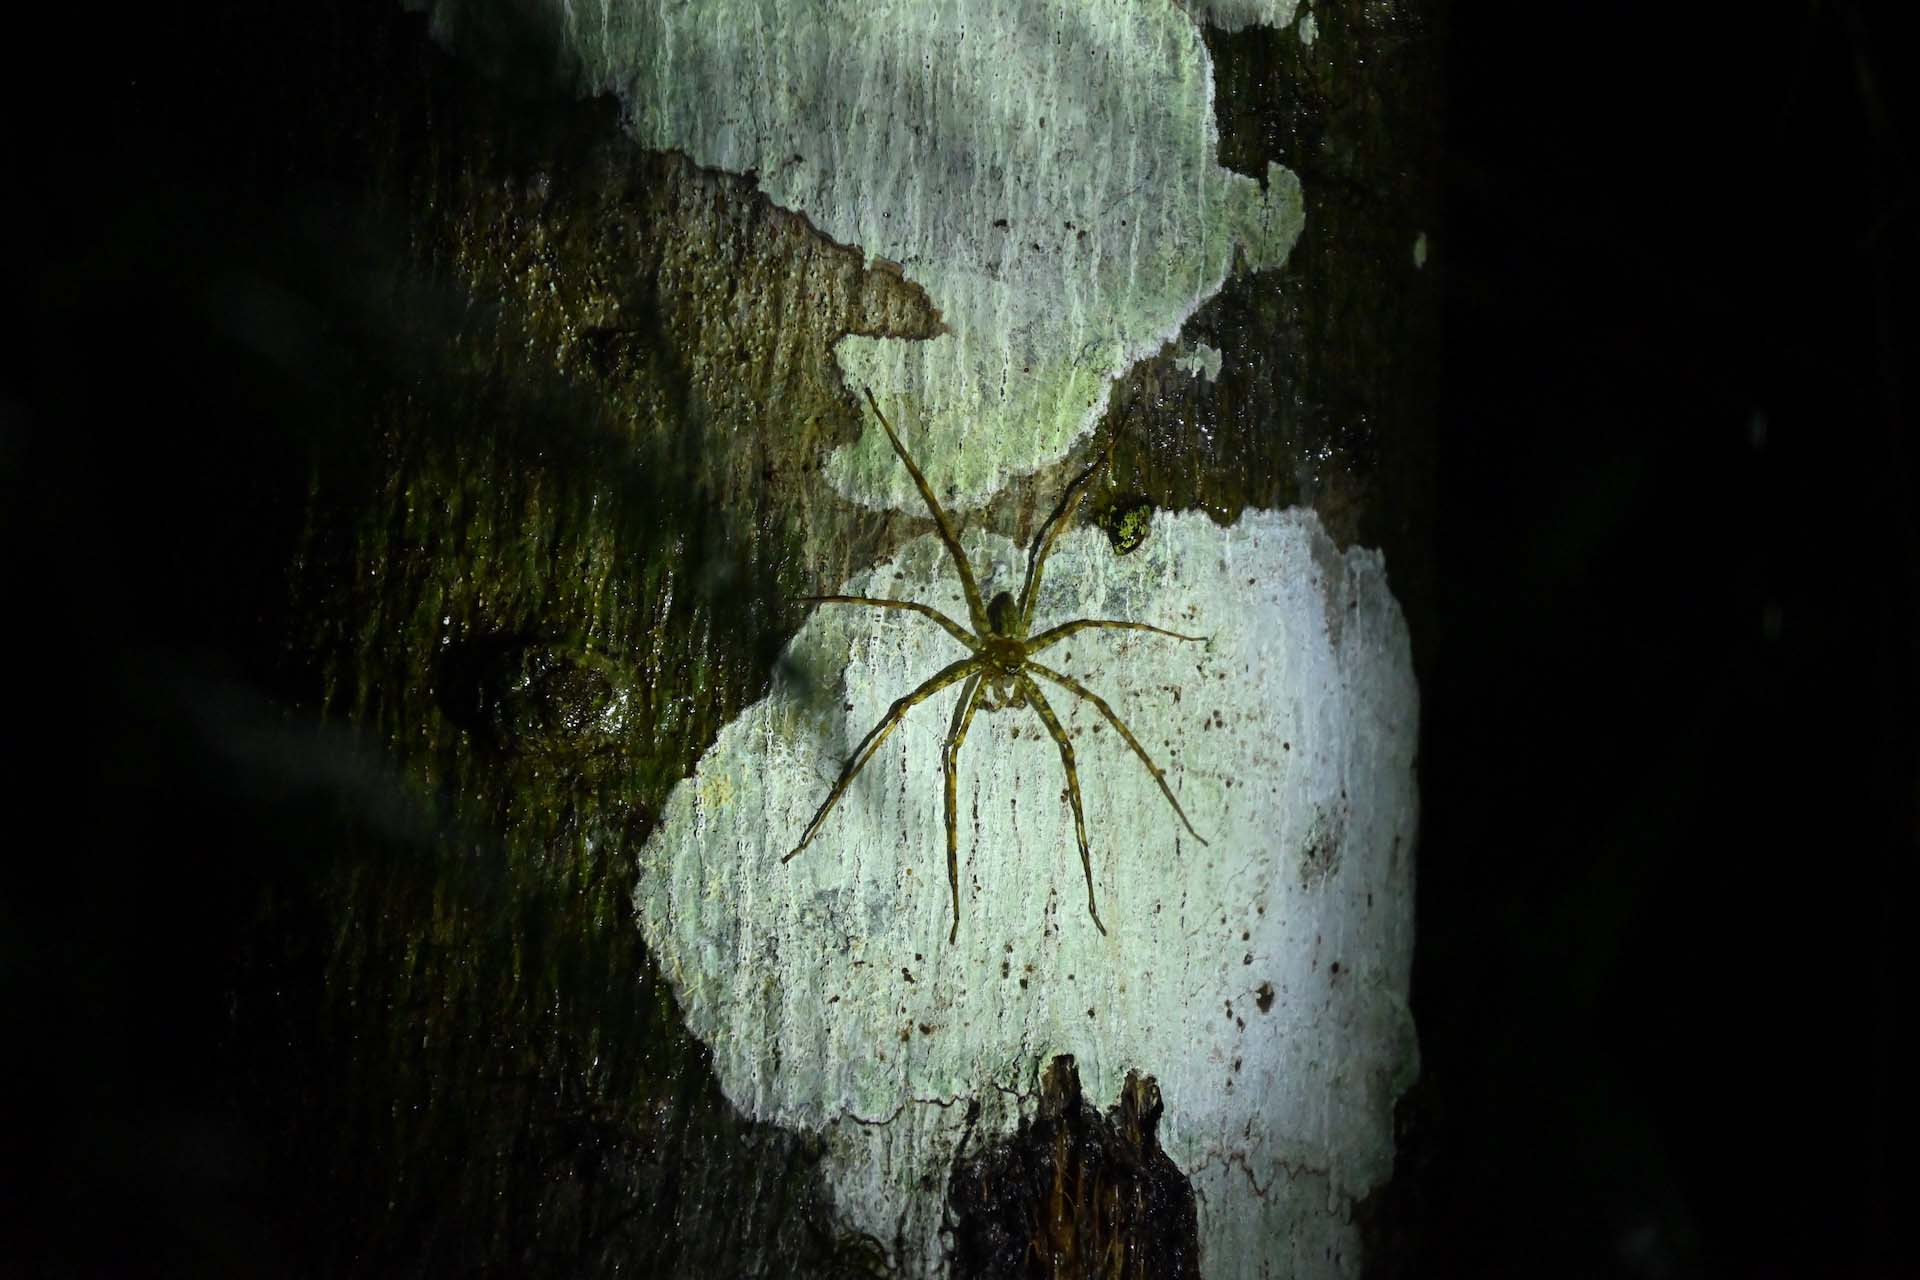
pixel 1003 616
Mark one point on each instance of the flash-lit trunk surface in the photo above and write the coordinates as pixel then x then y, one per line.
pixel 1048 173
pixel 1050 177
pixel 540 334
pixel 1261 979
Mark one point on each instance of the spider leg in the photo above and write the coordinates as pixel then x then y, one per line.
pixel 953 628
pixel 1051 530
pixel 1054 635
pixel 878 734
pixel 1065 744
pixel 976 607
pixel 949 760
pixel 1073 686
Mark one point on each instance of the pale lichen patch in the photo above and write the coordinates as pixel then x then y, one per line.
pixel 1049 175
pixel 1268 1000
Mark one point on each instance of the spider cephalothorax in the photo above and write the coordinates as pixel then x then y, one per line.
pixel 999 672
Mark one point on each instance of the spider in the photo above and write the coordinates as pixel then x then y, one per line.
pixel 999 672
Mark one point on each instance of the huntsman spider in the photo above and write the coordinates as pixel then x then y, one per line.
pixel 999 672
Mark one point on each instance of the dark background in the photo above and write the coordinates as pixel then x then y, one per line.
pixel 1668 768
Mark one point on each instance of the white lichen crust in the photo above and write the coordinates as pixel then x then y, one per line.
pixel 1261 979
pixel 1046 172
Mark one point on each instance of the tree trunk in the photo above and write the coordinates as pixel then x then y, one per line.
pixel 532 352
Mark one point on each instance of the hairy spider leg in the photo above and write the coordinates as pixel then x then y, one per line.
pixel 1052 529
pixel 1038 702
pixel 949 762
pixel 940 679
pixel 976 607
pixel 953 628
pixel 1054 635
pixel 1073 686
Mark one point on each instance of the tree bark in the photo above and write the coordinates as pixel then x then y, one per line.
pixel 546 420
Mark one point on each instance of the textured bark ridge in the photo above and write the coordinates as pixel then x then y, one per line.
pixel 1077 1193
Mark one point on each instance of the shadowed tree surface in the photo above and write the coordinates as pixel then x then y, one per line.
pixel 429 471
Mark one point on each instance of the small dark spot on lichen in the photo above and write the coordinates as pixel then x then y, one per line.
pixel 1264 996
